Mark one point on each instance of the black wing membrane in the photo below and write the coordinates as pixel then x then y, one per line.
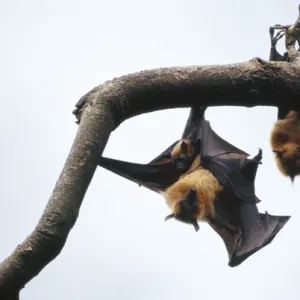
pixel 159 173
pixel 246 230
pixel 242 228
pixel 155 177
pixel 227 163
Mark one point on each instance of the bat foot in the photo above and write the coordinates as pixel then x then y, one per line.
pixel 277 37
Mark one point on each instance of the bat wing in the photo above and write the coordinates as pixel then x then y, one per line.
pixel 160 173
pixel 228 163
pixel 155 176
pixel 165 156
pixel 243 229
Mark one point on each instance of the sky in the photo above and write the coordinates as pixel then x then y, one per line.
pixel 51 54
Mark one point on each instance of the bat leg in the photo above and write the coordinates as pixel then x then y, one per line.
pixel 282 113
pixel 202 110
pixel 197 114
pixel 274 54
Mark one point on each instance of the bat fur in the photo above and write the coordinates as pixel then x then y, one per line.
pixel 285 143
pixel 205 185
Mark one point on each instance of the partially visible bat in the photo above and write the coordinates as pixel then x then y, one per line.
pixel 285 143
pixel 285 135
pixel 205 178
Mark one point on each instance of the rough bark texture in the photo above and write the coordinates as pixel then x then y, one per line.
pixel 256 82
pixel 49 236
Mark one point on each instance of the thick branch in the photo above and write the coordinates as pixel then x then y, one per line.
pixel 49 237
pixel 247 84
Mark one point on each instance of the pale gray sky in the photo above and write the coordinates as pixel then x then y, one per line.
pixel 53 52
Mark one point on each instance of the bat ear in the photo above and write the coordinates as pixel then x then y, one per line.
pixel 292 177
pixel 278 153
pixel 196 226
pixel 184 147
pixel 169 217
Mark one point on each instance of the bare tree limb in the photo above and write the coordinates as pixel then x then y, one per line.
pixel 252 83
pixel 61 212
pixel 256 82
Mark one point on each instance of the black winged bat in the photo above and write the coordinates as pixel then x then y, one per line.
pixel 205 178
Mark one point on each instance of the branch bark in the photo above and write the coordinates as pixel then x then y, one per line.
pixel 102 110
pixel 61 212
pixel 252 83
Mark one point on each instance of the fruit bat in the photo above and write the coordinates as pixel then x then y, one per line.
pixel 285 135
pixel 205 178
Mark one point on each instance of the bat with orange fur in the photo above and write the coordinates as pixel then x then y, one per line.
pixel 205 178
pixel 285 135
pixel 285 143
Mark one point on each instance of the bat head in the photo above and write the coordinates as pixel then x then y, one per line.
pixel 188 210
pixel 288 160
pixel 182 155
pixel 182 163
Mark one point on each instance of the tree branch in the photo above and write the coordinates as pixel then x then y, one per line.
pixel 252 83
pixel 61 212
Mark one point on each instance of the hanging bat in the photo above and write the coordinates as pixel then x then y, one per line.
pixel 205 178
pixel 285 135
pixel 285 143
